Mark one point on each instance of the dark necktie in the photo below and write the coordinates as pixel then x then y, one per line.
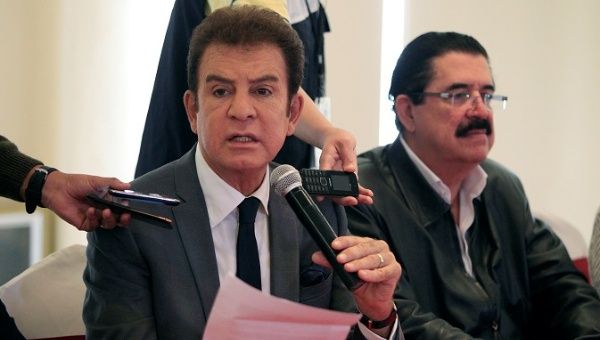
pixel 248 265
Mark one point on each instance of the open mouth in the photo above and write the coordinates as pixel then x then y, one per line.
pixel 243 139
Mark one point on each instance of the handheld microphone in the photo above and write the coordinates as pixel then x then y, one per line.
pixel 286 181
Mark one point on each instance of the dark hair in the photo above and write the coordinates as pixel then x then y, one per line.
pixel 414 69
pixel 247 26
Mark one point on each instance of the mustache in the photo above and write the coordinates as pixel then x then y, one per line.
pixel 473 124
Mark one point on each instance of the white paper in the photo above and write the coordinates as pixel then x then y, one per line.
pixel 243 312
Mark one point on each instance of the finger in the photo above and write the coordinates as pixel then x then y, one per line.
pixel 90 221
pixel 391 273
pixel 117 184
pixel 347 241
pixel 328 160
pixel 320 259
pixel 124 220
pixel 348 158
pixel 346 200
pixel 359 253
pixel 364 199
pixel 101 184
pixel 108 219
pixel 365 191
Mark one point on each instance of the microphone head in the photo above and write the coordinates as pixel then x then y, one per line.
pixel 284 178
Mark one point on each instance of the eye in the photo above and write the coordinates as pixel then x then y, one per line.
pixel 220 92
pixel 487 97
pixel 460 97
pixel 263 92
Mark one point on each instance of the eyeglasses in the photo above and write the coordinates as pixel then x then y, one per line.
pixel 492 101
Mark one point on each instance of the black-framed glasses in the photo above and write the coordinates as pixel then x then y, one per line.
pixel 492 101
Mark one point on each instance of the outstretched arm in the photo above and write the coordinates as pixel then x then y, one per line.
pixel 65 194
pixel 337 145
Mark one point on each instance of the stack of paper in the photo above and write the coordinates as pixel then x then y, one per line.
pixel 243 312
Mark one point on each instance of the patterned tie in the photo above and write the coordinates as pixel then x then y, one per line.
pixel 248 265
pixel 594 255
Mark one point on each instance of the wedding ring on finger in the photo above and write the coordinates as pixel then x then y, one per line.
pixel 380 260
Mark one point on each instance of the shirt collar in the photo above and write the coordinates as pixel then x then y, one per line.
pixel 221 198
pixel 472 186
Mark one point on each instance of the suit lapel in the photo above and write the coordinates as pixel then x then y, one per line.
pixel 192 224
pixel 284 248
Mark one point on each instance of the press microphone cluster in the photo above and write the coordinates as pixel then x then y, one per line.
pixel 287 182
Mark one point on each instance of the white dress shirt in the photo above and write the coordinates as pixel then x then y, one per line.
pixel 222 201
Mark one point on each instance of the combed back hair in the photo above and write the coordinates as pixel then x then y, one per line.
pixel 414 69
pixel 247 25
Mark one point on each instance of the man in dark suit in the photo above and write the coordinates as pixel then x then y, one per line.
pixel 160 281
pixel 475 264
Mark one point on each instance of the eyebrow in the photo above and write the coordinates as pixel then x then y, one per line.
pixel 220 79
pixel 456 86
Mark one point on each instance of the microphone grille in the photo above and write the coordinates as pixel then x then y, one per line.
pixel 285 178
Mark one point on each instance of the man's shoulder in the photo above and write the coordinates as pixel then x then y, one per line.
pixel 164 175
pixel 370 162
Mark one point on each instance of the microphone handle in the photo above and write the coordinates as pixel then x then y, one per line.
pixel 320 230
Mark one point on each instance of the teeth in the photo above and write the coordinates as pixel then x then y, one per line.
pixel 243 139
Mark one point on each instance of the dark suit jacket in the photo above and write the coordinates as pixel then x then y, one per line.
pixel 151 280
pixel 526 287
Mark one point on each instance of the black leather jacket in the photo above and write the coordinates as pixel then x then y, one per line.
pixel 526 286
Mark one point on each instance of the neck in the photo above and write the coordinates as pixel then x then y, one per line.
pixel 245 183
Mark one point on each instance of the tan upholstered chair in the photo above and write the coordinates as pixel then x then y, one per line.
pixel 46 300
pixel 571 238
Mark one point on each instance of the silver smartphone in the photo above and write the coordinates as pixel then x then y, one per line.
pixel 150 198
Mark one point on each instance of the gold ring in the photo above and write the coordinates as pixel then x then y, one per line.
pixel 380 260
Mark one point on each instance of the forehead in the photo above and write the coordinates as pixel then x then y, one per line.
pixel 243 60
pixel 461 68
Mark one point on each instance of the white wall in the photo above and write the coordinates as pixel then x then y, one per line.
pixel 67 95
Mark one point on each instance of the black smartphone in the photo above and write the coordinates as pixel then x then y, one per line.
pixel 119 208
pixel 150 198
pixel 329 182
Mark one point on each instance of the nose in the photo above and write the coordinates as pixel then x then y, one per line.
pixel 241 107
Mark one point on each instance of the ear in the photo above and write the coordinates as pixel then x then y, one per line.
pixel 296 106
pixel 191 109
pixel 404 108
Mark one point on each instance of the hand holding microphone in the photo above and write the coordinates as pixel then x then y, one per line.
pixel 378 268
pixel 286 181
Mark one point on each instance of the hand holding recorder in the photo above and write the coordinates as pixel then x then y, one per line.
pixel 116 200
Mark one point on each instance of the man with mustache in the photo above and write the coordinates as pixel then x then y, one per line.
pixel 474 262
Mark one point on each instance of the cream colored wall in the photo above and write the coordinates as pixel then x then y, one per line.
pixel 352 65
pixel 68 97
pixel 545 57
pixel 77 77
pixel 28 93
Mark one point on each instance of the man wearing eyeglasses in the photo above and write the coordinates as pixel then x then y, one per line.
pixel 474 262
